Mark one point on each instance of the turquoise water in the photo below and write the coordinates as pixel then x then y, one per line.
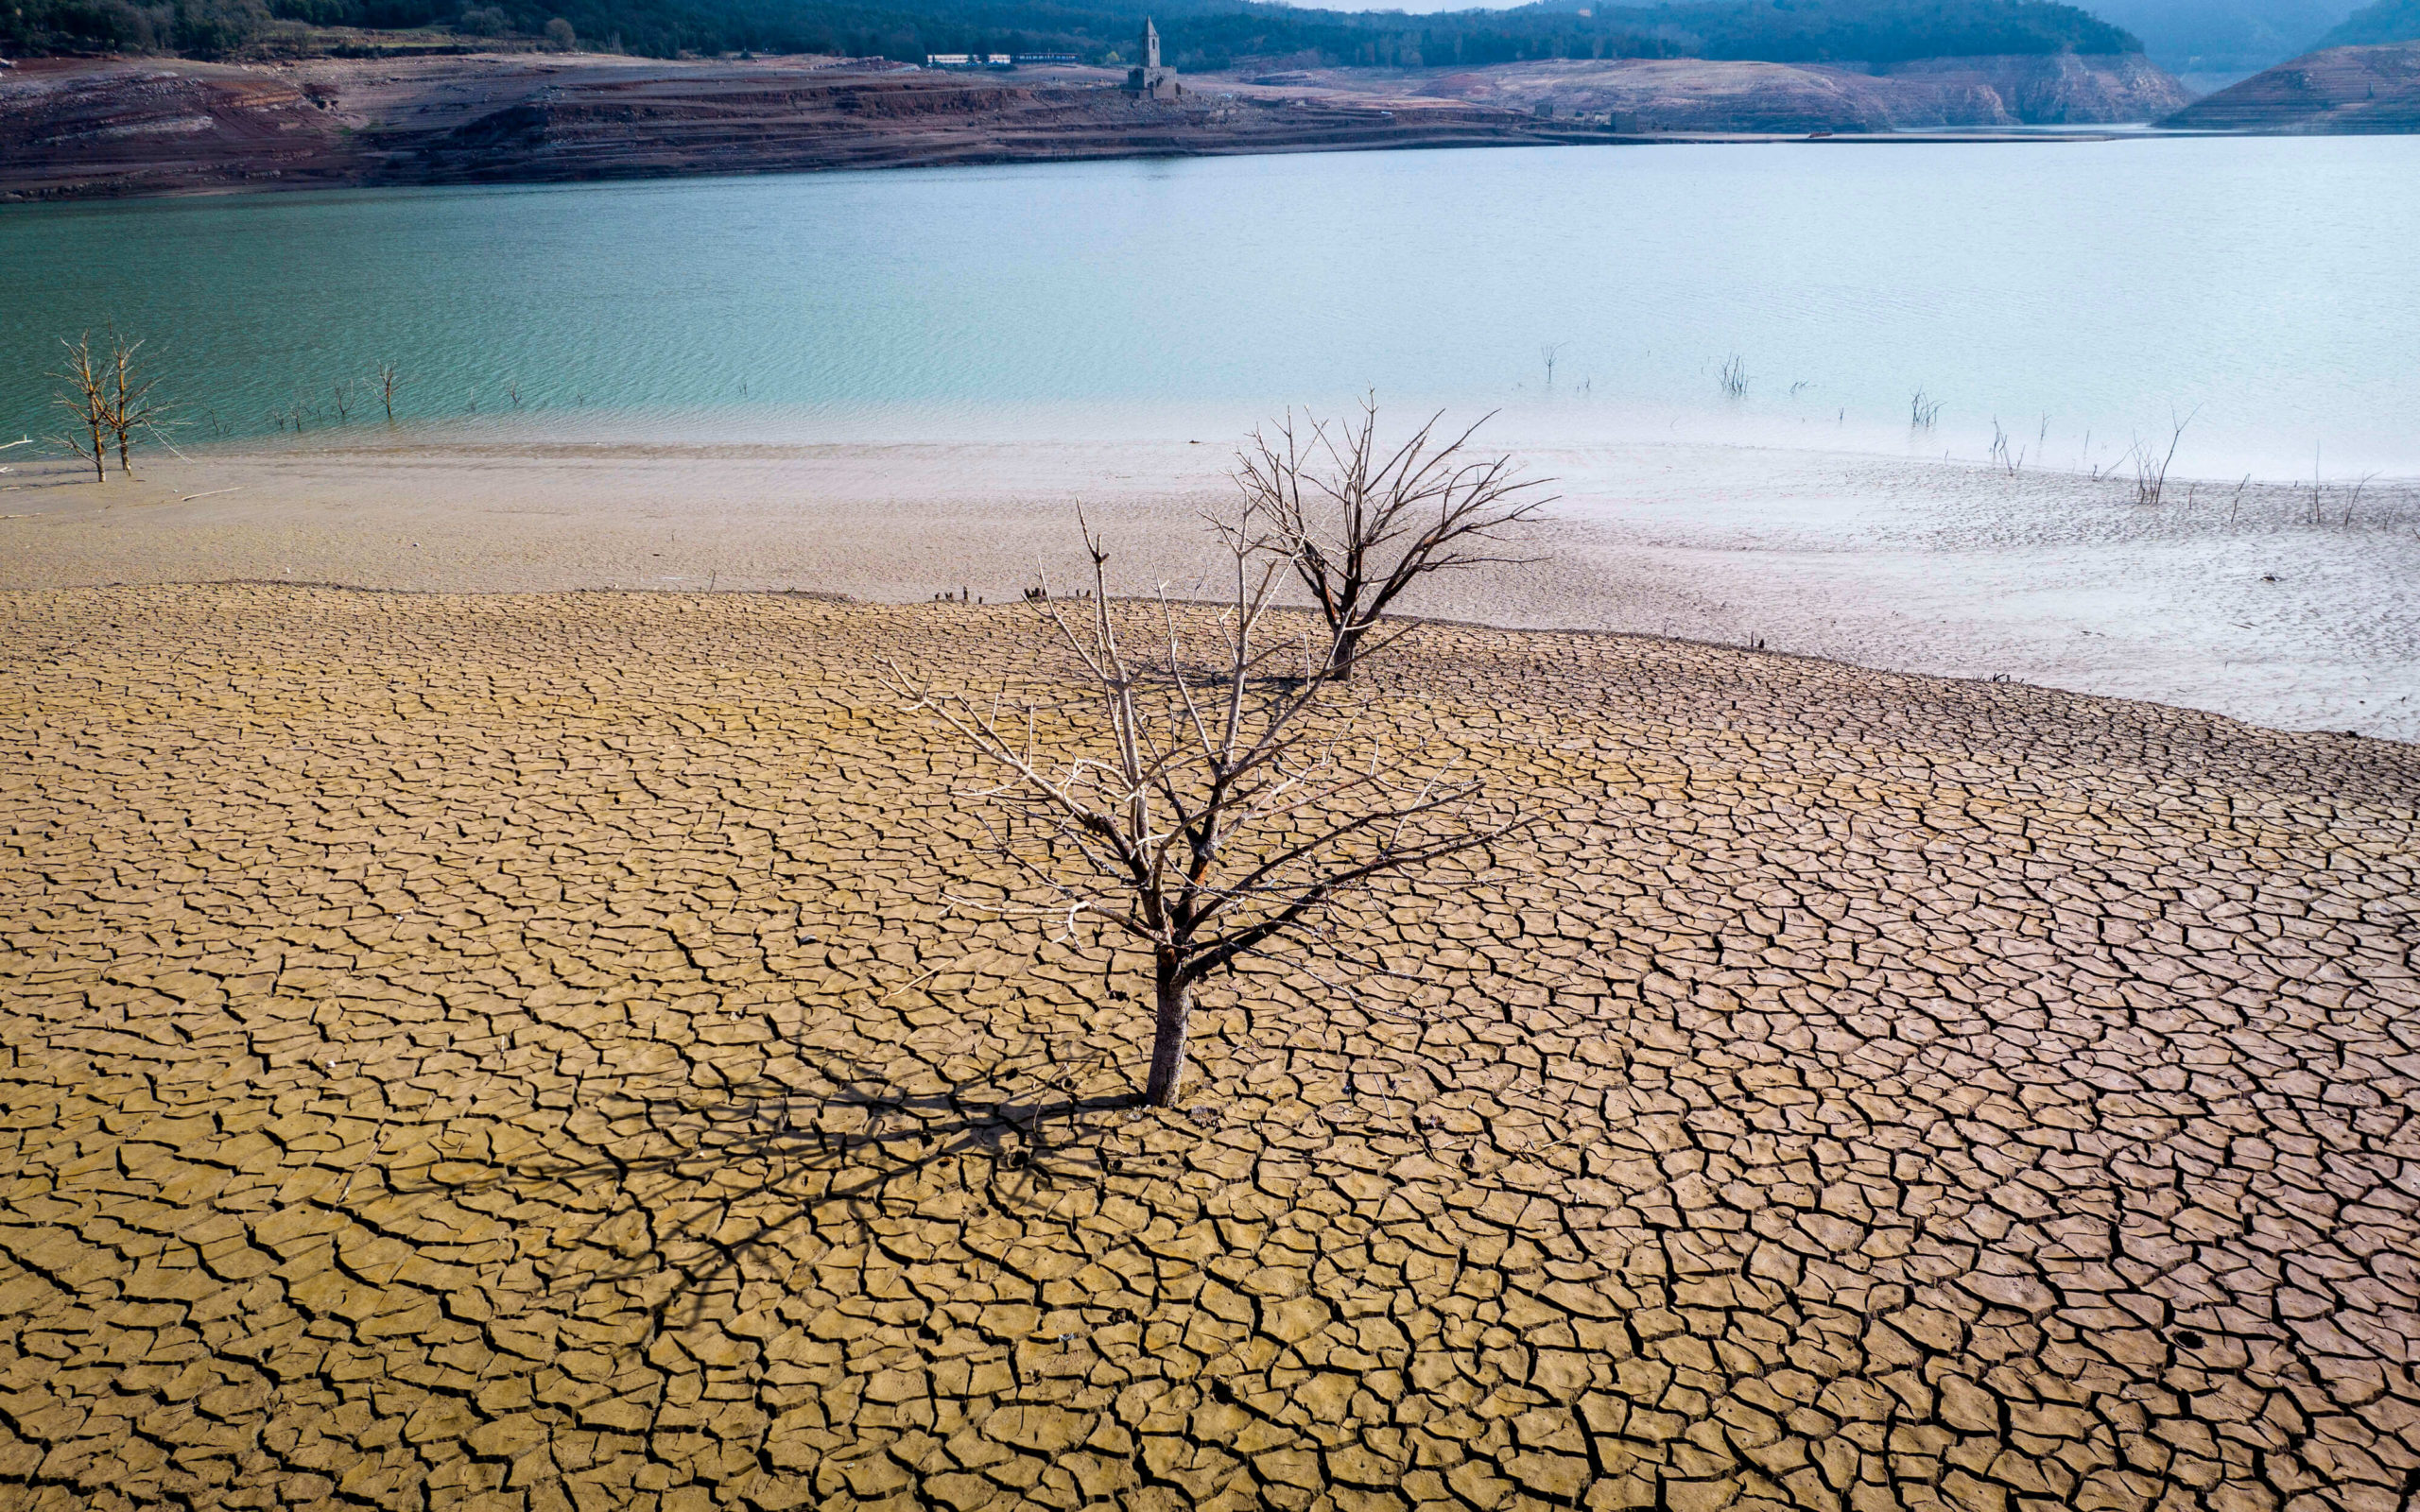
pixel 2266 287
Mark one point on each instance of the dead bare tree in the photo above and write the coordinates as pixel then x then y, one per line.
pixel 109 397
pixel 1360 524
pixel 386 381
pixel 2353 500
pixel 2007 457
pixel 2150 468
pixel 131 408
pixel 1202 800
pixel 87 401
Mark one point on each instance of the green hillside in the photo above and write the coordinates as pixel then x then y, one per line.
pixel 1201 34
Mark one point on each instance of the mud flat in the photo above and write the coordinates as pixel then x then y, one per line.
pixel 506 1051
pixel 2238 604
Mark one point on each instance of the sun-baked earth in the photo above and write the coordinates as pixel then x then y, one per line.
pixel 507 1052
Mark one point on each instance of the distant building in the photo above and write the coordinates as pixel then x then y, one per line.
pixel 1148 79
pixel 951 59
pixel 1024 59
pixel 997 60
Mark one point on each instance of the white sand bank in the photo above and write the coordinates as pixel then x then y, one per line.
pixel 2242 607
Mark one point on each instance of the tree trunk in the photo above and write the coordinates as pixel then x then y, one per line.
pixel 1167 1036
pixel 1348 646
pixel 100 456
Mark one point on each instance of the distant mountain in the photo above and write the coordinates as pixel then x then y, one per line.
pixel 2337 91
pixel 1199 34
pixel 2388 21
pixel 1876 33
pixel 2224 37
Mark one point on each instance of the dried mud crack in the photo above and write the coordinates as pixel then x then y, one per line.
pixel 506 1052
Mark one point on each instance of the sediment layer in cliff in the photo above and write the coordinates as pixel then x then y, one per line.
pixel 1693 94
pixel 84 130
pixel 88 128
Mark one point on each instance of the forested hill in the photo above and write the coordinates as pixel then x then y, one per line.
pixel 2388 21
pixel 1201 34
pixel 2224 36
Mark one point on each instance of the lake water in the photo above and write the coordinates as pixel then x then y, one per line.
pixel 2078 295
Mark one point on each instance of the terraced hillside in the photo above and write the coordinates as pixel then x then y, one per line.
pixel 84 130
pixel 2340 89
pixel 89 129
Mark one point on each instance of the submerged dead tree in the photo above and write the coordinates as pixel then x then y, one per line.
pixel 2151 464
pixel 1203 799
pixel 131 408
pixel 108 399
pixel 1360 524
pixel 86 399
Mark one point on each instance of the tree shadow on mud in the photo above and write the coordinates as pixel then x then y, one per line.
pixel 755 1181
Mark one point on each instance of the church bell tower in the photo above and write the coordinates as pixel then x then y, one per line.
pixel 1148 79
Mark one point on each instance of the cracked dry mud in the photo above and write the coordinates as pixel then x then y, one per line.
pixel 507 1052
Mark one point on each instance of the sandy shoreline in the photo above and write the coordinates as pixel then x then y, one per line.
pixel 2240 607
